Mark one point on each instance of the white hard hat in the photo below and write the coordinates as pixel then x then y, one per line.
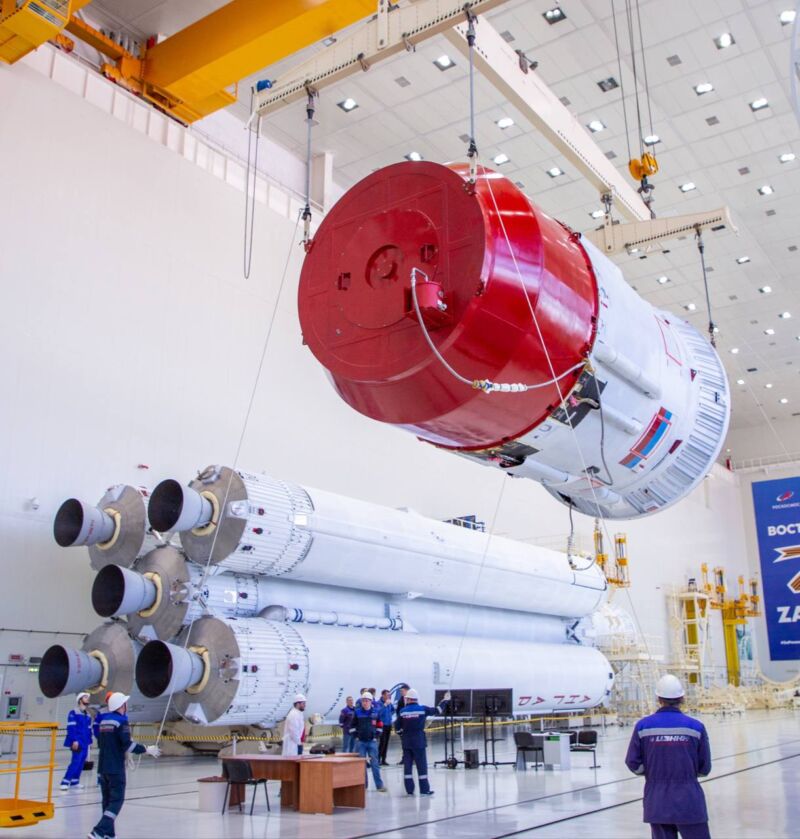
pixel 412 694
pixel 116 701
pixel 299 698
pixel 83 695
pixel 669 687
pixel 367 695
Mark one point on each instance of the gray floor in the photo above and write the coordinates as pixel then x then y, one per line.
pixel 752 792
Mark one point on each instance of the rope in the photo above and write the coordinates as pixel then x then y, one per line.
pixel 698 234
pixel 644 68
pixel 632 42
pixel 250 201
pixel 621 80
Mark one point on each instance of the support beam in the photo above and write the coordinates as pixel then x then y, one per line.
pixel 616 238
pixel 527 92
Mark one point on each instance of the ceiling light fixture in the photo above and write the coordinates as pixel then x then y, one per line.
pixel 759 104
pixel 765 190
pixel 740 381
pixel 742 259
pixel 504 122
pixel 768 385
pixel 690 307
pixel 785 315
pixel 652 139
pixel 786 17
pixel 703 87
pixel 663 280
pixel 444 62
pixel 788 157
pixel 769 331
pixel 413 155
pixel 348 104
pixel 500 159
pixel 734 350
pixel 554 15
pixel 688 186
pixel 597 213
pixel 554 172
pixel 783 400
pixel 724 40
pixel 596 125
pixel 608 84
pixel 766 289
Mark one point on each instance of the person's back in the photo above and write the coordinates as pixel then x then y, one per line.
pixel 113 740
pixel 671 750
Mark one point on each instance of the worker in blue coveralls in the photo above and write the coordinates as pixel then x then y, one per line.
pixel 366 726
pixel 113 733
pixel 410 725
pixel 78 740
pixel 671 750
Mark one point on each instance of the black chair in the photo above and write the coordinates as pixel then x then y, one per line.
pixel 587 742
pixel 240 772
pixel 527 742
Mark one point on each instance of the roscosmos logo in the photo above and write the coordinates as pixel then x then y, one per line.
pixel 785 496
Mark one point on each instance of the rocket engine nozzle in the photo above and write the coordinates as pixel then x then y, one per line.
pixel 77 523
pixel 163 669
pixel 118 591
pixel 178 508
pixel 67 670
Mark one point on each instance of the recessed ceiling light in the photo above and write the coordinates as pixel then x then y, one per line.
pixel 329 42
pixel 703 87
pixel 758 104
pixel 724 40
pixel 652 139
pixel 734 350
pixel 554 15
pixel 783 400
pixel 769 331
pixel 555 172
pixel 740 381
pixel 688 186
pixel 788 157
pixel 348 104
pixel 766 289
pixel 765 190
pixel 785 315
pixel 444 62
pixel 413 155
pixel 786 17
pixel 742 259
pixel 768 385
pixel 690 307
pixel 596 125
pixel 663 280
pixel 500 159
pixel 607 84
pixel 505 122
pixel 597 213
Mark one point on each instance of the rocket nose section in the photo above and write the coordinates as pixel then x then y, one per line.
pixel 176 508
pixel 77 523
pixel 118 591
pixel 65 670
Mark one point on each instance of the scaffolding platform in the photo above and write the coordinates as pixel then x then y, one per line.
pixel 23 812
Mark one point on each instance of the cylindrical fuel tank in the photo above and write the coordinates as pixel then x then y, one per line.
pixel 115 530
pixel 263 526
pixel 247 671
pixel 622 407
pixel 105 662
pixel 163 593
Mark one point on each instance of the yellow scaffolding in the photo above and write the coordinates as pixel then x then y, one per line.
pixel 22 812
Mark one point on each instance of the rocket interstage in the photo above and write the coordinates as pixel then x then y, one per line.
pixel 105 662
pixel 507 295
pixel 258 525
pixel 164 592
pixel 247 671
pixel 116 530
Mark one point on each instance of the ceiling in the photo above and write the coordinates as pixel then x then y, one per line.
pixel 715 141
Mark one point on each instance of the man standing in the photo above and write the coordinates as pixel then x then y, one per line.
pixel 671 750
pixel 78 740
pixel 400 704
pixel 411 727
pixel 386 711
pixel 346 721
pixel 367 727
pixel 113 733
pixel 294 728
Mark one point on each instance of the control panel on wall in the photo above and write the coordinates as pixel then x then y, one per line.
pixel 12 709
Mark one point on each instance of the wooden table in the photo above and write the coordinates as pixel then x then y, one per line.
pixel 309 783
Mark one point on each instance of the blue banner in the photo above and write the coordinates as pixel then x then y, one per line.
pixel 777 509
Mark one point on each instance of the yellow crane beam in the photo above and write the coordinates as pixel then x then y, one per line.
pixel 26 25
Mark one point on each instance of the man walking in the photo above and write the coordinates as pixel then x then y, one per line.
pixel 113 734
pixel 671 750
pixel 411 727
pixel 366 727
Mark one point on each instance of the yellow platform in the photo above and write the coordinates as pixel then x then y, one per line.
pixel 21 813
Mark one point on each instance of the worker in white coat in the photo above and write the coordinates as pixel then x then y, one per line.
pixel 294 727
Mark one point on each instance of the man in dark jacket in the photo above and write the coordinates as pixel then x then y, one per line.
pixel 403 690
pixel 113 734
pixel 366 727
pixel 410 726
pixel 345 721
pixel 386 710
pixel 671 750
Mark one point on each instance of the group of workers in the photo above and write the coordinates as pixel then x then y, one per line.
pixel 669 748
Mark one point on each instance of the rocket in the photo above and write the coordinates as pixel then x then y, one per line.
pixel 465 315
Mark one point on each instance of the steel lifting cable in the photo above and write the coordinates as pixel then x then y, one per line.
pixel 239 445
pixel 621 80
pixel 250 200
pixel 646 82
pixel 698 235
pixel 632 43
pixel 472 150
pixel 310 109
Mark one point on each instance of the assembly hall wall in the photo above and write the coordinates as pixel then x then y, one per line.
pixel 130 339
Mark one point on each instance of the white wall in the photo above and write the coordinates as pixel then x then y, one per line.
pixel 129 337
